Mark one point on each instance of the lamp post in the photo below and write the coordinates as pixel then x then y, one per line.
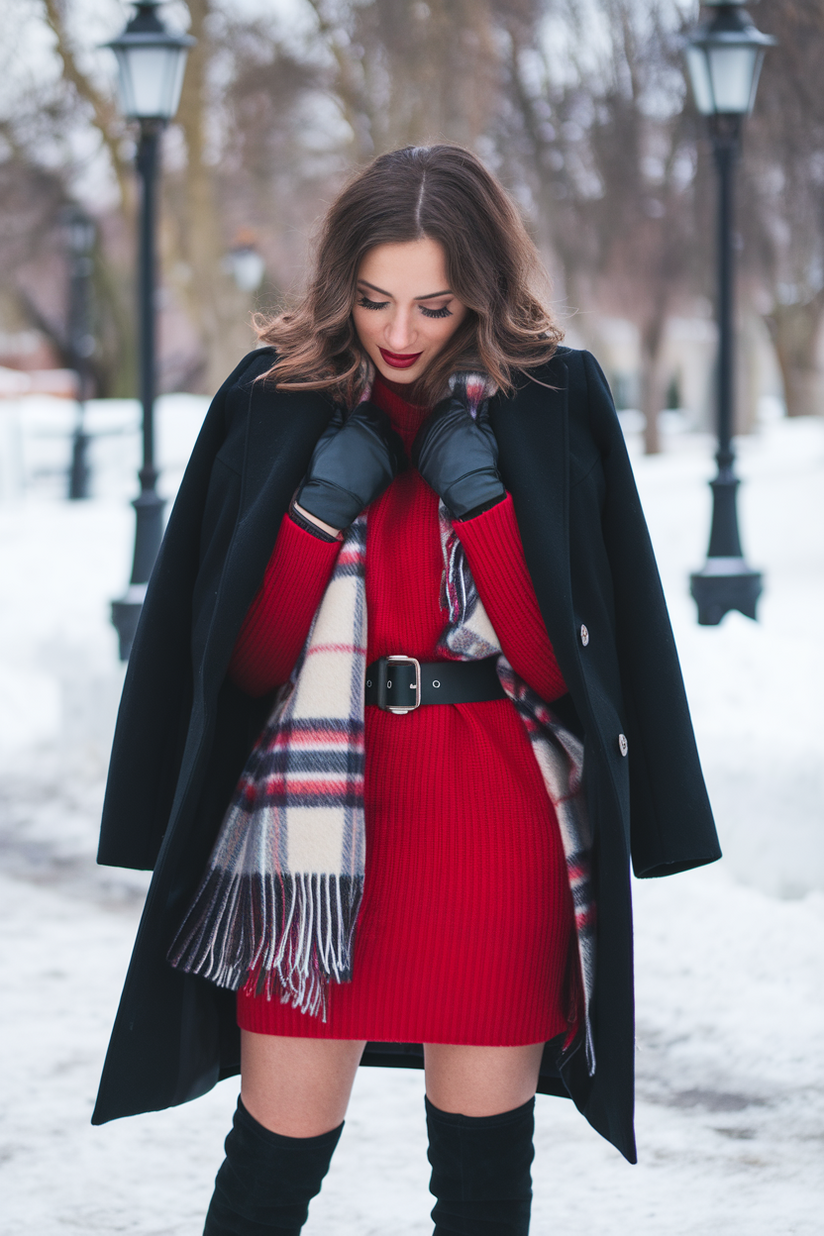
pixel 79 231
pixel 724 57
pixel 151 61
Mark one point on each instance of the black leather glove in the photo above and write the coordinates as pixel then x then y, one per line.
pixel 458 457
pixel 353 463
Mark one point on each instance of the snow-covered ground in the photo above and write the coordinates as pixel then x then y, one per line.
pixel 730 958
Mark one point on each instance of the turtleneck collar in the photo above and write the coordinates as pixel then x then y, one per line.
pixel 406 417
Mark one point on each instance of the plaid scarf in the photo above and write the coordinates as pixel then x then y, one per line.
pixel 279 900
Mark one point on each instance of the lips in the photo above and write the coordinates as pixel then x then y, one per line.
pixel 397 361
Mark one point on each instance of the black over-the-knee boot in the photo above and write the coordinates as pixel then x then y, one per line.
pixel 266 1181
pixel 480 1171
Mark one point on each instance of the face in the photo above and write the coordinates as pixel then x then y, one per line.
pixel 405 313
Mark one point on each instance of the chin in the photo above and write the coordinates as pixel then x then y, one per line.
pixel 403 377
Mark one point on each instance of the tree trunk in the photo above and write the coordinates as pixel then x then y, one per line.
pixel 652 382
pixel 795 331
pixel 215 306
pixel 749 366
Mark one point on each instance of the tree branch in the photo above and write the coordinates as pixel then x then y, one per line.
pixel 350 95
pixel 106 118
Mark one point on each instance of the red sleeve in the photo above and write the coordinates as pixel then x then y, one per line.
pixel 496 558
pixel 278 620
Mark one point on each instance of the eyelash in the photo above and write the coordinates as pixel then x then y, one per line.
pixel 443 312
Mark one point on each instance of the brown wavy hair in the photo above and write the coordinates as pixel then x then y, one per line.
pixel 442 193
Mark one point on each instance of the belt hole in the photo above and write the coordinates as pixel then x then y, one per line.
pixel 389 682
pixel 436 682
pixel 369 682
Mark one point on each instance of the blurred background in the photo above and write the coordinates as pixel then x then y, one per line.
pixel 581 107
pixel 584 110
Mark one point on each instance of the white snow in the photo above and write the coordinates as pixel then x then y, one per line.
pixel 730 1006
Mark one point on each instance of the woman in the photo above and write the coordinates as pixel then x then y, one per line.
pixel 418 490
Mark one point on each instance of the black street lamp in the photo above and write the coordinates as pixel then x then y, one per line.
pixel 79 231
pixel 151 61
pixel 724 58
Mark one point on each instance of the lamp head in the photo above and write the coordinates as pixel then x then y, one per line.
pixel 79 230
pixel 151 61
pixel 724 58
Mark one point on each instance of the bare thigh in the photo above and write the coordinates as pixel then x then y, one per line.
pixel 297 1087
pixel 481 1081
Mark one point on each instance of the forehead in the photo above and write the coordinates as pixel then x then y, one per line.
pixel 410 268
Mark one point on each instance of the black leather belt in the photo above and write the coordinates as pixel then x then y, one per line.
pixel 400 684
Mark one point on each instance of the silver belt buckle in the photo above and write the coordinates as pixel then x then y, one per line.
pixel 397 708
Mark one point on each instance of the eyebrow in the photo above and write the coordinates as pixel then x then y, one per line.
pixel 383 292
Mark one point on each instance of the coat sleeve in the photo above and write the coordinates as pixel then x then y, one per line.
pixel 672 827
pixel 155 706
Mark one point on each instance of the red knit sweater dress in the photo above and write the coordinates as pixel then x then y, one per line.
pixel 466 925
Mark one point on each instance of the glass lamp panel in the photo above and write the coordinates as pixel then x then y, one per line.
pixel 732 70
pixel 125 93
pixel 176 84
pixel 83 236
pixel 248 268
pixel 759 60
pixel 700 79
pixel 79 233
pixel 150 81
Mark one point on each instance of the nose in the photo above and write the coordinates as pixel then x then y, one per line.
pixel 400 334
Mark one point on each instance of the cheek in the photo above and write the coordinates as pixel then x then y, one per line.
pixel 362 323
pixel 450 325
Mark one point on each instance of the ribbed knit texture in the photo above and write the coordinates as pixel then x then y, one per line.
pixel 493 548
pixel 279 618
pixel 464 931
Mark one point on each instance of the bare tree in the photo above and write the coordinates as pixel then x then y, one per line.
pixel 31 198
pixel 366 78
pixel 196 240
pixel 612 166
pixel 410 71
pixel 783 202
pixel 594 138
pixel 33 262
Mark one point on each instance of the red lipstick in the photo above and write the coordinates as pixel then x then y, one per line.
pixel 397 361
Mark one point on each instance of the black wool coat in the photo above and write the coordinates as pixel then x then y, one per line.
pixel 184 732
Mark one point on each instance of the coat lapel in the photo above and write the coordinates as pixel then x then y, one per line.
pixel 532 432
pixel 282 430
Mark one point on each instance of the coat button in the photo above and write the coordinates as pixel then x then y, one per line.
pixel 623 745
pixel 584 633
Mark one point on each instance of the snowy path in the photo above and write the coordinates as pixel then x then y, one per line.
pixel 731 1090
pixel 730 1004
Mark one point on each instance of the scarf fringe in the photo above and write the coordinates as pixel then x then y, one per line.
pixel 288 934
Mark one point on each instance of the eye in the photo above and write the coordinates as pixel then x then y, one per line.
pixel 366 303
pixel 443 312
